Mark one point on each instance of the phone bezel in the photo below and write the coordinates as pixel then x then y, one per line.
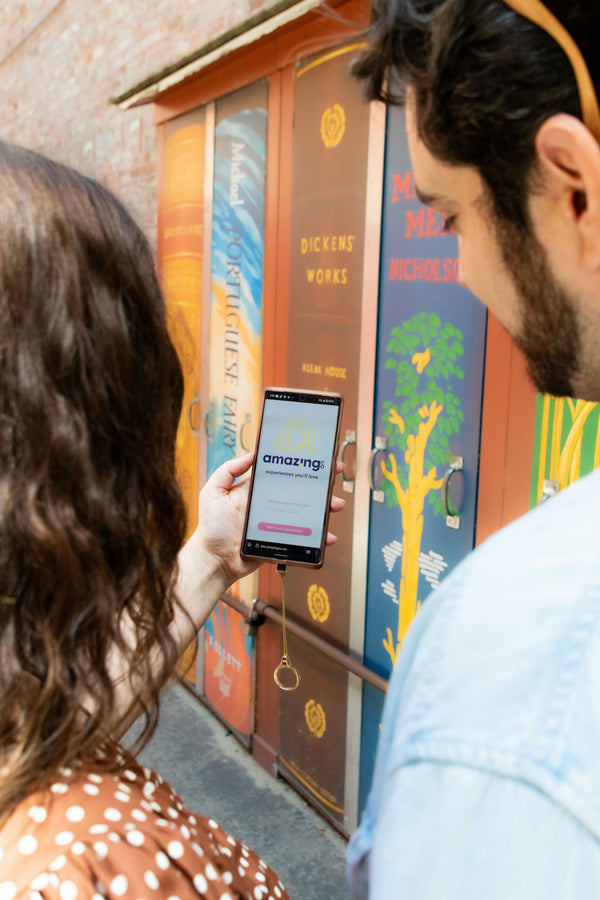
pixel 282 558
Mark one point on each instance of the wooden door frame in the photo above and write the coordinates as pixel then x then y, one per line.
pixel 507 429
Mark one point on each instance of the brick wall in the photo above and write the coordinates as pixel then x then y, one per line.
pixel 62 60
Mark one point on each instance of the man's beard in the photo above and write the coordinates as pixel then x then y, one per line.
pixel 549 334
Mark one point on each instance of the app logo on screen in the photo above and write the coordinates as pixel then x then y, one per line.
pixel 297 434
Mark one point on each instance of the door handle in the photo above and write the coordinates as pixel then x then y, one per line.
pixel 347 483
pixel 246 421
pixel 209 421
pixel 195 428
pixel 450 511
pixel 549 489
pixel 380 444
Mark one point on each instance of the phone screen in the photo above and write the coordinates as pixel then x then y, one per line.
pixel 292 477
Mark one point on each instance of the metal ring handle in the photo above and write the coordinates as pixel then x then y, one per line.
pixel 285 664
pixel 372 456
pixel 380 444
pixel 195 402
pixel 246 421
pixel 348 483
pixel 207 420
pixel 456 465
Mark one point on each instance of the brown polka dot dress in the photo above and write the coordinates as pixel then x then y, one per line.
pixel 126 835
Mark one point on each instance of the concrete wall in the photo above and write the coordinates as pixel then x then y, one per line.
pixel 62 60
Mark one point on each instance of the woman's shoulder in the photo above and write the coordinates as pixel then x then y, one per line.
pixel 121 834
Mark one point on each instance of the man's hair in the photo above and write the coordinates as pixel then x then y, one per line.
pixel 484 79
pixel 91 515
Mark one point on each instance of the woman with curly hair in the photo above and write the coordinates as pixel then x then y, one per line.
pixel 97 598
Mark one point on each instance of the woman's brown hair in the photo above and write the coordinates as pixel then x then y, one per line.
pixel 91 515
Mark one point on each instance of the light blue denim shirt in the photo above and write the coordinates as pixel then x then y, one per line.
pixel 487 780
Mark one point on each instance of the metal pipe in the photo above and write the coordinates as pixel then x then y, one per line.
pixel 344 660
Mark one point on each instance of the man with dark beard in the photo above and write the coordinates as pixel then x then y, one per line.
pixel 487 782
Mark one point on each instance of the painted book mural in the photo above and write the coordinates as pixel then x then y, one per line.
pixel 329 187
pixel 426 432
pixel 423 354
pixel 181 251
pixel 235 361
pixel 181 261
pixel 236 280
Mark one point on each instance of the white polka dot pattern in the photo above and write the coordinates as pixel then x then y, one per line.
pixel 68 890
pixel 75 814
pixel 8 890
pixel 38 814
pixel 27 845
pixel 134 834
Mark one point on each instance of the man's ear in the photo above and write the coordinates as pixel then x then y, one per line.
pixel 569 157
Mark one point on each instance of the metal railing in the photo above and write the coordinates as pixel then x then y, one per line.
pixel 260 610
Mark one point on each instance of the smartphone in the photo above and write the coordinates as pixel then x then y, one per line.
pixel 292 477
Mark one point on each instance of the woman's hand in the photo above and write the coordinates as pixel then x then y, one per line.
pixel 210 561
pixel 221 513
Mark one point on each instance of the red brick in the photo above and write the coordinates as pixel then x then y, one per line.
pixel 58 73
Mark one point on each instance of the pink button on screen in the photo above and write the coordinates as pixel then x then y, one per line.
pixel 284 529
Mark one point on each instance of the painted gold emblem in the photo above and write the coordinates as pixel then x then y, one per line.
pixel 318 603
pixel 333 125
pixel 315 718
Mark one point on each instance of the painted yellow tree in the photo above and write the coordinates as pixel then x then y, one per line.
pixel 418 426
